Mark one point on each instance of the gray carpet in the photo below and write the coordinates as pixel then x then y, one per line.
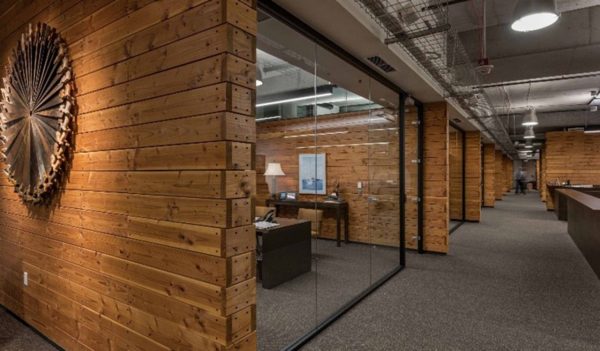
pixel 516 281
pixel 16 336
pixel 338 274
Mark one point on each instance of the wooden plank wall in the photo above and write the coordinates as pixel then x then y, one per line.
pixel 357 150
pixel 489 175
pixel 455 159
pixel 500 175
pixel 150 244
pixel 473 166
pixel 436 178
pixel 573 156
pixel 542 185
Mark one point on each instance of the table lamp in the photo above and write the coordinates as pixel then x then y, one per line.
pixel 274 170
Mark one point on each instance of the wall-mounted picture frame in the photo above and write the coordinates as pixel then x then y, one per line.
pixel 312 174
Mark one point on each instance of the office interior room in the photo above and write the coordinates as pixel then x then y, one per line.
pixel 285 175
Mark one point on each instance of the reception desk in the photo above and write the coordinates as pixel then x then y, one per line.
pixel 583 215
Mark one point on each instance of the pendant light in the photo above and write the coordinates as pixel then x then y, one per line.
pixel 530 119
pixel 532 15
pixel 259 75
pixel 529 134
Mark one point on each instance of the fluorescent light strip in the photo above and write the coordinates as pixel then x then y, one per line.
pixel 341 145
pixel 293 99
pixel 314 134
pixel 267 118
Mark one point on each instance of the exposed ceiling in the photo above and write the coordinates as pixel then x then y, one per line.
pixel 553 69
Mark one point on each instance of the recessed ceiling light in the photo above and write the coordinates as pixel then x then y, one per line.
pixel 259 82
pixel 532 15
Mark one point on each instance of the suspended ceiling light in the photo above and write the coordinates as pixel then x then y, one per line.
pixel 532 15
pixel 530 118
pixel 529 134
pixel 301 98
pixel 259 75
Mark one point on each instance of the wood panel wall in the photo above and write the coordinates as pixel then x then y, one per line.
pixel 436 178
pixel 489 175
pixel 542 184
pixel 150 244
pixel 473 164
pixel 357 150
pixel 455 159
pixel 573 156
pixel 500 175
pixel 411 173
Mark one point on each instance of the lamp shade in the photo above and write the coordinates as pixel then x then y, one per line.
pixel 274 169
pixel 532 15
pixel 529 133
pixel 530 119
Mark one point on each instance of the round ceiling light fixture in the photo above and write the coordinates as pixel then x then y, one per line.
pixel 533 15
pixel 530 119
pixel 529 133
pixel 259 75
pixel 37 112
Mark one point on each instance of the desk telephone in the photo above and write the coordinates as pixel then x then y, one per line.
pixel 268 217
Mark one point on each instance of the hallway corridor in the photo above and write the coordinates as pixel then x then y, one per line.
pixel 515 281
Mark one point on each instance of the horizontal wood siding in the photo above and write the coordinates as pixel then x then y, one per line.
pixel 436 178
pixel 150 244
pixel 473 164
pixel 573 156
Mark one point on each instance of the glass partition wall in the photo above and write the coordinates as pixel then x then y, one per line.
pixel 329 152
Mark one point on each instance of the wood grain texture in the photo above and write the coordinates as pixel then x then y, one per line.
pixel 150 243
pixel 473 164
pixel 489 175
pixel 500 175
pixel 573 156
pixel 456 160
pixel 436 178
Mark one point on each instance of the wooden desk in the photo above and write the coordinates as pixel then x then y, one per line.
pixel 584 224
pixel 341 212
pixel 283 252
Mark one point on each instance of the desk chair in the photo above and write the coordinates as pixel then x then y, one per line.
pixel 314 216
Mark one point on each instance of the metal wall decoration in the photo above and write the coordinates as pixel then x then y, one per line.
pixel 37 112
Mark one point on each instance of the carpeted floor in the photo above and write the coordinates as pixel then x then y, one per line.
pixel 16 336
pixel 516 281
pixel 338 274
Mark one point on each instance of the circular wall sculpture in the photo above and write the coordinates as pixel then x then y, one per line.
pixel 36 113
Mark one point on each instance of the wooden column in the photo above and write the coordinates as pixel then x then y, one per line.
pixel 150 245
pixel 473 165
pixel 489 175
pixel 435 168
pixel 508 171
pixel 500 175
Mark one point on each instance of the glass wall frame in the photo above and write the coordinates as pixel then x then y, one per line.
pixel 323 43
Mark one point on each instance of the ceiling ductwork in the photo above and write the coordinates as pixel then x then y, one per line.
pixel 422 29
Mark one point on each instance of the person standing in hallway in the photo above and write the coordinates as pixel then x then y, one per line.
pixel 520 186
